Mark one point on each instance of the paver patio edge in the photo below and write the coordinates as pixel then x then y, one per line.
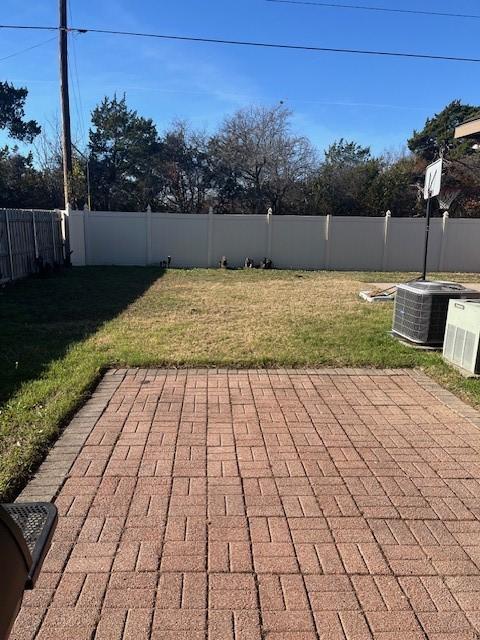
pixel 50 476
pixel 448 398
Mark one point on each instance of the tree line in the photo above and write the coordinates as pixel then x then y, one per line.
pixel 252 163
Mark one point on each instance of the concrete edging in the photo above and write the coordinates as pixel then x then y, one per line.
pixel 50 476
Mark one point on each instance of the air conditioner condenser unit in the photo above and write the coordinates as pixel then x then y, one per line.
pixel 462 336
pixel 421 307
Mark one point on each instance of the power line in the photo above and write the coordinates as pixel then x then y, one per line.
pixel 264 45
pixel 77 90
pixel 17 53
pixel 27 27
pixel 273 45
pixel 331 5
pixel 76 100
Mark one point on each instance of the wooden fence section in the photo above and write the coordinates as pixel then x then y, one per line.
pixel 29 241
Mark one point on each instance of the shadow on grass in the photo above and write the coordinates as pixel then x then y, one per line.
pixel 41 318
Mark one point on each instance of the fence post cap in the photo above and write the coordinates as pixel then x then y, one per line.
pixel 388 214
pixel 446 215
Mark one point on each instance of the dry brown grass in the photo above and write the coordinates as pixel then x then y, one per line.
pixel 249 318
pixel 59 334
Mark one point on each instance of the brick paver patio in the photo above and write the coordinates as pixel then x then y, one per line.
pixel 283 505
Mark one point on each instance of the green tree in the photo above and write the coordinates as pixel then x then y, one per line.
pixel 124 150
pixel 395 188
pixel 21 185
pixel 343 181
pixel 438 133
pixel 462 180
pixel 12 113
pixel 185 175
pixel 345 153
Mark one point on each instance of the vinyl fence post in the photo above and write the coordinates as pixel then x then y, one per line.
pixel 211 221
pixel 9 244
pixel 388 215
pixel 86 222
pixel 54 243
pixel 65 227
pixel 443 248
pixel 328 219
pixel 269 232
pixel 149 236
pixel 35 238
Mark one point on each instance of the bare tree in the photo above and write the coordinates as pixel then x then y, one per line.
pixel 48 160
pixel 264 161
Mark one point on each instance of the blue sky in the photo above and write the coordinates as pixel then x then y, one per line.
pixel 374 101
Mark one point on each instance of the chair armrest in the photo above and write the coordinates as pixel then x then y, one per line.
pixel 37 522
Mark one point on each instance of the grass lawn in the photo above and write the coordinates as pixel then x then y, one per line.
pixel 58 334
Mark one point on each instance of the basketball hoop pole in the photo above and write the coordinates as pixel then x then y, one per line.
pixel 433 185
pixel 427 233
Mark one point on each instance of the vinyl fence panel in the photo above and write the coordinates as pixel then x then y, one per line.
pixel 186 240
pixel 350 243
pixel 299 246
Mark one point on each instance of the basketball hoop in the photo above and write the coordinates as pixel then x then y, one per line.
pixel 447 197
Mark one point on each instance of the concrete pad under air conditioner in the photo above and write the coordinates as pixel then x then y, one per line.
pixel 413 345
pixel 463 372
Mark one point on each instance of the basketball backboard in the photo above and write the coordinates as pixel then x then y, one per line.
pixel 433 180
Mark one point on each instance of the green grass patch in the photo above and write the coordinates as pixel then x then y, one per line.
pixel 58 334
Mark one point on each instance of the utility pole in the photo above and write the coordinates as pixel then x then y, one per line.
pixel 65 101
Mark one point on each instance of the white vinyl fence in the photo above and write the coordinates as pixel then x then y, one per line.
pixel 292 242
pixel 29 239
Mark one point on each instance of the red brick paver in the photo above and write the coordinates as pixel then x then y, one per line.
pixel 277 505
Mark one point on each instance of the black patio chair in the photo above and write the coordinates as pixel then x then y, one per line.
pixel 26 531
